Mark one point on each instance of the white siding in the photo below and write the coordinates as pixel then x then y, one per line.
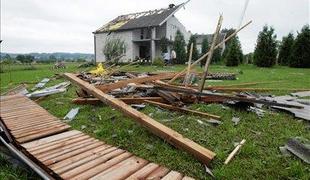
pixel 173 24
pixel 102 38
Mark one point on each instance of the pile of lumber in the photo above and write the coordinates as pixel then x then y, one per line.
pixel 121 90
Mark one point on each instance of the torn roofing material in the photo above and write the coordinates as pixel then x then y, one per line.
pixel 140 20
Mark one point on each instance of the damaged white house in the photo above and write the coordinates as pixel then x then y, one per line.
pixel 141 33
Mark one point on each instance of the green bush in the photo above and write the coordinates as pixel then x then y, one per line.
pixel 265 53
pixel 300 56
pixel 158 61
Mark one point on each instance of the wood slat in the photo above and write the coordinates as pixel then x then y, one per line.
pixel 43 134
pixel 93 170
pixel 122 169
pixel 158 173
pixel 35 127
pixel 144 172
pixel 63 150
pixel 74 162
pixel 54 142
pixel 173 175
pixel 70 154
pixel 59 145
pixel 54 138
pixel 47 128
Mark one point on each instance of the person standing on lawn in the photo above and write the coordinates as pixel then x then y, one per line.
pixel 173 56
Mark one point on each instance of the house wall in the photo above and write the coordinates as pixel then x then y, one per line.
pixel 102 38
pixel 173 24
pixel 199 48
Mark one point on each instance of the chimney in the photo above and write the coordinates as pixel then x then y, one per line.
pixel 171 6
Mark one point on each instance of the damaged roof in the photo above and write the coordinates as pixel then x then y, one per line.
pixel 141 19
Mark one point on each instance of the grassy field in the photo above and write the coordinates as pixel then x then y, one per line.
pixel 259 158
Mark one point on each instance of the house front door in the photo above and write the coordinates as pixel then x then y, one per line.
pixel 144 52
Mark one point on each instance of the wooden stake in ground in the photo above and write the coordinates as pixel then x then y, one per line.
pixel 169 135
pixel 186 79
pixel 216 33
pixel 234 152
pixel 205 55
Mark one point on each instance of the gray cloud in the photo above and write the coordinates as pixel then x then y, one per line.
pixel 67 25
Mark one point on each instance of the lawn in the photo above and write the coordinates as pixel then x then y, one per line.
pixel 259 158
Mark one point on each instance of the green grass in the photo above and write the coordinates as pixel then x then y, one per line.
pixel 9 172
pixel 259 158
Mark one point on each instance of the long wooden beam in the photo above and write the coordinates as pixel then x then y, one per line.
pixel 169 135
pixel 216 33
pixel 138 100
pixel 185 110
pixel 108 87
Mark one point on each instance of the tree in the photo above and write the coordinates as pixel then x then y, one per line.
pixel 192 39
pixel 234 54
pixel 52 58
pixel 179 47
pixel 300 56
pixel 20 58
pixel 286 48
pixel 228 32
pixel 265 53
pixel 204 50
pixel 217 56
pixel 114 49
pixel 29 59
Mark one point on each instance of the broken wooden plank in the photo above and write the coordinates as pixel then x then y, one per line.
pixel 171 136
pixel 185 110
pixel 108 87
pixel 234 152
pixel 216 33
pixel 134 100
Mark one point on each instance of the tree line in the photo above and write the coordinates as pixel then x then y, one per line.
pixel 291 51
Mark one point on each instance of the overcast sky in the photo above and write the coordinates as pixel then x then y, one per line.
pixel 67 25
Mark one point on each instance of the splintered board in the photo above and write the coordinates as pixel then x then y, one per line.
pixel 71 154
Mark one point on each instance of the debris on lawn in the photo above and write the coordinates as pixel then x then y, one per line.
pixel 299 149
pixel 259 112
pixel 234 152
pixel 42 83
pixel 214 121
pixel 83 127
pixel 236 120
pixel 302 112
pixel 71 114
pixel 284 151
pixel 138 106
pixel 209 171
pixel 301 94
pixel 58 88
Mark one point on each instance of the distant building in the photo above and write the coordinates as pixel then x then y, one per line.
pixel 141 33
pixel 200 37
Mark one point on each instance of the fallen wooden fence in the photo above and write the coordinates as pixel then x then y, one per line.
pixel 171 136
pixel 65 153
